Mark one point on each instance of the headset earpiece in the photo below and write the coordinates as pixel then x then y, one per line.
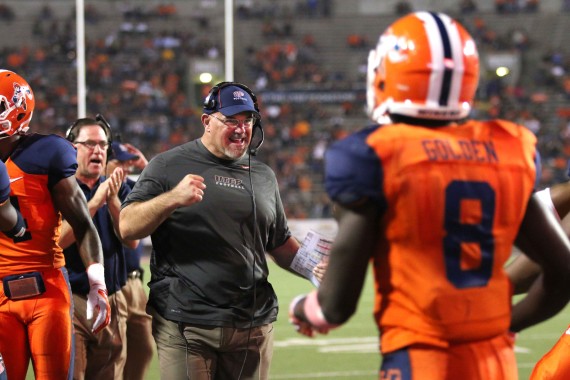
pixel 253 150
pixel 69 134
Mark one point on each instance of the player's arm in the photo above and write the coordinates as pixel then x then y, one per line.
pixel 11 221
pixel 337 297
pixel 353 179
pixel 349 258
pixel 560 196
pixel 542 238
pixel 523 271
pixel 70 201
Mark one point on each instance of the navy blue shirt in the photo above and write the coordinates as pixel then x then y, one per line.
pixel 113 252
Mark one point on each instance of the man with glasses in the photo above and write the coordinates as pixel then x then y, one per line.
pixel 213 212
pixel 100 355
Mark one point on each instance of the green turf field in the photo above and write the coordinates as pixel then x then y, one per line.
pixel 351 352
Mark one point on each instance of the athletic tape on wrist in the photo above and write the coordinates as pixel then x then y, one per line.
pixel 96 275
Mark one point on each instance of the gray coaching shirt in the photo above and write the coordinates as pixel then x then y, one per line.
pixel 205 256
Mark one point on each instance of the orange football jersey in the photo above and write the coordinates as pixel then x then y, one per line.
pixel 36 165
pixel 454 198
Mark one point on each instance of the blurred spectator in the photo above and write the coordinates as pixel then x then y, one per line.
pixel 467 6
pixel 6 13
pixel 403 7
pixel 532 5
pixel 356 41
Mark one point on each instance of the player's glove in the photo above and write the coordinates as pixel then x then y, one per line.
pixel 315 320
pixel 97 298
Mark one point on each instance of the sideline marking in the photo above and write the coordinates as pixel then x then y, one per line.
pixel 328 375
pixel 292 342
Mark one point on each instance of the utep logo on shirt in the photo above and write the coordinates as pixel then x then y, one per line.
pixel 233 183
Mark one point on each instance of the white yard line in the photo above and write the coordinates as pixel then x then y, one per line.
pixel 329 375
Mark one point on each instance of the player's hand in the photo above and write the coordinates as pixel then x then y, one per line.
pixel 301 326
pixel 97 300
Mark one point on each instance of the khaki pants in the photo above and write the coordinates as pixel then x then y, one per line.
pixel 100 356
pixel 140 344
pixel 211 353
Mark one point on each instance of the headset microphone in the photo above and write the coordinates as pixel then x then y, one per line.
pixel 253 151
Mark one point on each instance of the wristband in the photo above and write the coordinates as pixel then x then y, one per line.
pixel 19 229
pixel 294 303
pixel 314 313
pixel 96 275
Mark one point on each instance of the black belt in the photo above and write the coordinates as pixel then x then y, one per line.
pixel 136 274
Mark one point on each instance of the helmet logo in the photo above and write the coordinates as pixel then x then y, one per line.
pixel 396 49
pixel 20 95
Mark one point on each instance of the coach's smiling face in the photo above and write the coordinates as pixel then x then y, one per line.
pixel 228 137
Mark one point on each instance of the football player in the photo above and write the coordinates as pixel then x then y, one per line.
pixel 436 201
pixel 35 298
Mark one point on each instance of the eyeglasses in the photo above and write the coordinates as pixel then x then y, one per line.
pixel 92 144
pixel 234 123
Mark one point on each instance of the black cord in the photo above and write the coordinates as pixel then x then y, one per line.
pixel 181 329
pixel 254 283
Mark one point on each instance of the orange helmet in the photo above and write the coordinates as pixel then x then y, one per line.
pixel 17 104
pixel 425 66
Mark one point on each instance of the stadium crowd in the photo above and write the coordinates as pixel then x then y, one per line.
pixel 137 75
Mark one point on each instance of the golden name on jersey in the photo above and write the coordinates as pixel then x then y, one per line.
pixel 465 150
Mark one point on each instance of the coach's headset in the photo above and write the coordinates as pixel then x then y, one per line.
pixel 73 130
pixel 210 104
